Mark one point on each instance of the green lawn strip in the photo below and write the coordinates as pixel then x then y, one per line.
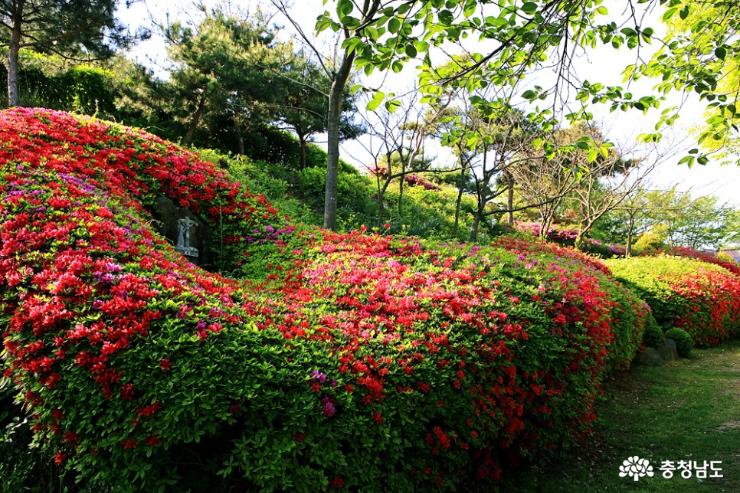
pixel 686 410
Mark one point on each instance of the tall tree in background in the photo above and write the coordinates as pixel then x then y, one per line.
pixel 85 29
pixel 607 180
pixel 682 219
pixel 352 20
pixel 502 135
pixel 226 65
pixel 544 181
pixel 303 109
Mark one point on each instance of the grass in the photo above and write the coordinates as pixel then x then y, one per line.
pixel 686 410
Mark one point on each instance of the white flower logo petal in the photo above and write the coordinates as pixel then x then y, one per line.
pixel 635 468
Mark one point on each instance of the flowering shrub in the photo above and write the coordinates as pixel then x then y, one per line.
pixel 630 314
pixel 701 298
pixel 567 237
pixel 419 180
pixel 709 257
pixel 412 179
pixel 352 361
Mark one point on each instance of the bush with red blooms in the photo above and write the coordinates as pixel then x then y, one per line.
pixel 630 314
pixel 701 298
pixel 358 361
pixel 567 237
pixel 412 179
pixel 708 257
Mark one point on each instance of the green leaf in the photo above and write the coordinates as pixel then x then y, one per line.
pixel 344 8
pixel 411 51
pixel 529 7
pixel 392 105
pixel 394 25
pixel 446 17
pixel 720 52
pixel 374 103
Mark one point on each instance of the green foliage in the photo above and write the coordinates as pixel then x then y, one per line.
pixel 269 179
pixel 653 336
pixel 338 359
pixel 699 297
pixel 46 81
pixel 699 53
pixel 425 213
pixel 690 59
pixel 652 240
pixel 684 343
pixel 696 222
pixel 66 27
pixel 637 410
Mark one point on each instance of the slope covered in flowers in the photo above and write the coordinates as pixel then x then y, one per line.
pixel 701 298
pixel 338 361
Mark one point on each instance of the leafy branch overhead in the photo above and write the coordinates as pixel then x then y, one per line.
pixel 500 44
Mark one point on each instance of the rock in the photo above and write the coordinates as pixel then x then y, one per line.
pixel 183 229
pixel 668 350
pixel 649 357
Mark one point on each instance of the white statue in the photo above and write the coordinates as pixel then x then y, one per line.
pixel 184 226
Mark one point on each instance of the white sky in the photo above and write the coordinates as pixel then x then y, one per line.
pixel 603 65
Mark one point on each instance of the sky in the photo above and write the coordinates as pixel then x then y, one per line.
pixel 604 65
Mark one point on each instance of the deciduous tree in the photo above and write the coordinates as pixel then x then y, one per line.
pixel 71 28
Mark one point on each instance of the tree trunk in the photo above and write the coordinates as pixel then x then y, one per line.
pixel 579 241
pixel 195 120
pixel 630 228
pixel 460 185
pixel 474 228
pixel 510 198
pixel 336 96
pixel 400 189
pixel 240 140
pixel 13 48
pixel 302 144
pixel 545 220
pixel 379 198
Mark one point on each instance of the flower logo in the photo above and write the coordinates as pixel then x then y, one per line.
pixel 635 468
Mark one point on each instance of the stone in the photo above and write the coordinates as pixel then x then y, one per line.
pixel 668 350
pixel 649 357
pixel 183 229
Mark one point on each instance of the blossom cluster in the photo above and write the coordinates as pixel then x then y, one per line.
pixel 450 362
pixel 701 298
pixel 709 257
pixel 412 179
pixel 567 237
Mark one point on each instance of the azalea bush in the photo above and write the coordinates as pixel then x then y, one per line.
pixel 567 237
pixel 708 257
pixel 699 297
pixel 325 361
pixel 630 316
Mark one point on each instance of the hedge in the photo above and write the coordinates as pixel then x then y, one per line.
pixel 359 361
pixel 701 298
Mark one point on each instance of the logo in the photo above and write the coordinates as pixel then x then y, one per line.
pixel 635 468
